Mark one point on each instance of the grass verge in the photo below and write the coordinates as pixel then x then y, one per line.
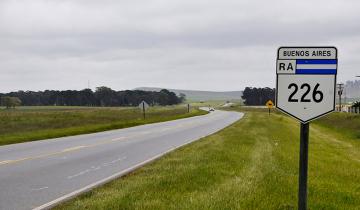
pixel 36 123
pixel 253 164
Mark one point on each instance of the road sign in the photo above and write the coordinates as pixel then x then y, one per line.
pixel 306 81
pixel 305 89
pixel 269 104
pixel 143 105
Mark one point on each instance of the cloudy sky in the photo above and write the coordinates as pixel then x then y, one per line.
pixel 187 44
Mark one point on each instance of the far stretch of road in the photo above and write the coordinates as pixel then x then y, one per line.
pixel 39 174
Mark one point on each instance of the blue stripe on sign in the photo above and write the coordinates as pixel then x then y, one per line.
pixel 315 71
pixel 319 61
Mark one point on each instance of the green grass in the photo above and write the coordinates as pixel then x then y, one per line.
pixel 35 123
pixel 344 123
pixel 252 164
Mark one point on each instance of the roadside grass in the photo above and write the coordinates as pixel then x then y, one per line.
pixel 252 164
pixel 36 123
pixel 344 123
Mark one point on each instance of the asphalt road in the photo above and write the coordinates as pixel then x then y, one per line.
pixel 39 174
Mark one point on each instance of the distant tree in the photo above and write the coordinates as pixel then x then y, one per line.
pixel 172 98
pixel 182 97
pixel 356 104
pixel 167 98
pixel 10 102
pixel 106 96
pixel 86 97
pixel 6 101
pixel 258 96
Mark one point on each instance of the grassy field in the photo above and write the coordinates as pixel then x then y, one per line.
pixel 34 123
pixel 346 124
pixel 253 164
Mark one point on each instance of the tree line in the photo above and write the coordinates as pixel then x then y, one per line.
pixel 258 96
pixel 102 96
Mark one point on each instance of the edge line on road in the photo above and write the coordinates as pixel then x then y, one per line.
pixel 106 180
pixel 98 183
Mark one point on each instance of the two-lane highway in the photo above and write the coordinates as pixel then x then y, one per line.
pixel 40 174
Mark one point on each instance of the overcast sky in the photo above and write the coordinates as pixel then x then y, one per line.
pixel 187 44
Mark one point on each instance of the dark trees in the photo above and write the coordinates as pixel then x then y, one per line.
pixel 356 104
pixel 103 96
pixel 258 96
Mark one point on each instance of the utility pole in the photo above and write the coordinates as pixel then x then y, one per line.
pixel 358 76
pixel 340 88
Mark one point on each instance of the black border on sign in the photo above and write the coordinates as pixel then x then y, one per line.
pixel 277 77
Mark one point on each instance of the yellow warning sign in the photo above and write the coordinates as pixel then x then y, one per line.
pixel 269 104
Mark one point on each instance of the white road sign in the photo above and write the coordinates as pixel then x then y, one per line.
pixel 143 105
pixel 306 81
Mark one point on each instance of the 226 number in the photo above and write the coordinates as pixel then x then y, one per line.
pixel 317 95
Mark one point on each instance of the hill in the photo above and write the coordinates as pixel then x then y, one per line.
pixel 198 95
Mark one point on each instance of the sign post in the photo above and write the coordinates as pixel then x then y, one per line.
pixel 303 165
pixel 143 106
pixel 269 105
pixel 305 90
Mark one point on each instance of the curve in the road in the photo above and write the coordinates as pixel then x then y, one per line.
pixel 38 175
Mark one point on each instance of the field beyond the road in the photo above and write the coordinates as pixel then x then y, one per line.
pixel 253 164
pixel 36 123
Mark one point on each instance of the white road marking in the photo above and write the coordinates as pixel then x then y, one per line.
pixel 38 189
pixel 5 162
pixel 74 148
pixel 119 139
pixel 95 168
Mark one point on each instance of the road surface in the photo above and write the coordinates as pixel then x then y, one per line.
pixel 40 174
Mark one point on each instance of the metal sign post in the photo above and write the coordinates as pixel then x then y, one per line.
pixel 303 165
pixel 305 90
pixel 144 106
